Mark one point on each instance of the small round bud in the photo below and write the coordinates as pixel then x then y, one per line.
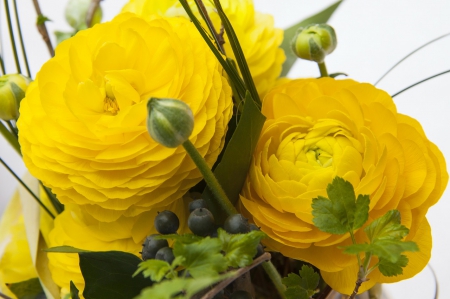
pixel 167 222
pixel 76 12
pixel 170 122
pixel 314 42
pixel 236 224
pixel 12 91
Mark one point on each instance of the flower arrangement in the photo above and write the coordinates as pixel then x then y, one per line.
pixel 171 158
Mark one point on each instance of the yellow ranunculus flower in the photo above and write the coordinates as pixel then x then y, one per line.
pixel 317 129
pixel 83 121
pixel 78 229
pixel 258 37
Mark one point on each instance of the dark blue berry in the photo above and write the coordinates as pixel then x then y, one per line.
pixel 151 246
pixel 236 224
pixel 167 222
pixel 201 222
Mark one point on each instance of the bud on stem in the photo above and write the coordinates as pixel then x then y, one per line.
pixel 314 42
pixel 12 91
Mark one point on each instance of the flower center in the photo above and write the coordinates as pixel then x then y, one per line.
pixel 110 104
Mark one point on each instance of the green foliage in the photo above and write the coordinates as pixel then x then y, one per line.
pixel 157 269
pixel 29 289
pixel 301 286
pixel 202 258
pixel 393 269
pixel 74 293
pixel 42 19
pixel 240 248
pixel 110 275
pixel 231 172
pixel 289 33
pixel 387 227
pixel 341 213
pixel 65 249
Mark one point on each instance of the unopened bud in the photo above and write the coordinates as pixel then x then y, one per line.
pixel 12 91
pixel 170 122
pixel 76 11
pixel 314 42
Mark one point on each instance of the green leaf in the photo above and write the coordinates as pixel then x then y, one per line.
pixel 303 286
pixel 155 269
pixel 65 249
pixel 74 293
pixel 42 19
pixel 110 275
pixel 388 268
pixel 29 289
pixel 180 288
pixel 203 258
pixel 387 227
pixel 231 172
pixel 340 213
pixel 289 33
pixel 240 248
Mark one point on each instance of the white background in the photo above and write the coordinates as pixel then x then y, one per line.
pixel 373 35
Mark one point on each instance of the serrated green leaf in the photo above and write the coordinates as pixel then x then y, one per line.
pixel 155 269
pixel 231 172
pixel 389 250
pixel 340 213
pixel 184 238
pixel 361 211
pixel 296 293
pixel 321 17
pixel 310 279
pixel 202 258
pixel 388 268
pixel 110 275
pixel 74 293
pixel 181 288
pixel 28 289
pixel 292 280
pixel 387 227
pixel 240 248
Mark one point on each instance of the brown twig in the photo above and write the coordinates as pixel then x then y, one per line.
pixel 359 282
pixel 91 11
pixel 43 29
pixel 220 286
pixel 220 41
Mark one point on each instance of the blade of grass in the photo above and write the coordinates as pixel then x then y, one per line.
pixel 2 65
pixel 19 30
pixel 231 73
pixel 9 136
pixel 238 53
pixel 11 37
pixel 421 81
pixel 217 37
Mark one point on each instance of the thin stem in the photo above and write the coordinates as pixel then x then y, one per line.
pixel 24 54
pixel 91 12
pixel 275 277
pixel 404 58
pixel 43 29
pixel 358 283
pixel 28 189
pixel 9 136
pixel 421 81
pixel 210 179
pixel 220 286
pixel 218 38
pixel 12 129
pixel 323 69
pixel 2 65
pixel 354 242
pixel 55 202
pixel 11 37
pixel 4 296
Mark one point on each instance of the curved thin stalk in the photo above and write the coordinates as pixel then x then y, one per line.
pixel 2 66
pixel 11 37
pixel 404 58
pixel 9 136
pixel 91 12
pixel 43 29
pixel 421 81
pixel 275 277
pixel 19 30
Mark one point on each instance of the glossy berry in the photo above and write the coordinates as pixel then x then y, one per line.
pixel 241 295
pixel 167 222
pixel 254 227
pixel 197 204
pixel 201 222
pixel 151 246
pixel 236 224
pixel 165 254
pixel 259 250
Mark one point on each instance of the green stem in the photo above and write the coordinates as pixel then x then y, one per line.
pixel 275 277
pixel 354 242
pixel 55 202
pixel 12 129
pixel 19 30
pixel 26 187
pixel 323 69
pixel 11 36
pixel 2 66
pixel 210 179
pixel 9 136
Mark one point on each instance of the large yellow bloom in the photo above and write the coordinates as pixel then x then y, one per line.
pixel 77 229
pixel 259 39
pixel 83 121
pixel 317 129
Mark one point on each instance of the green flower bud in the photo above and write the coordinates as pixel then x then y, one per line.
pixel 12 91
pixel 76 11
pixel 314 42
pixel 170 122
